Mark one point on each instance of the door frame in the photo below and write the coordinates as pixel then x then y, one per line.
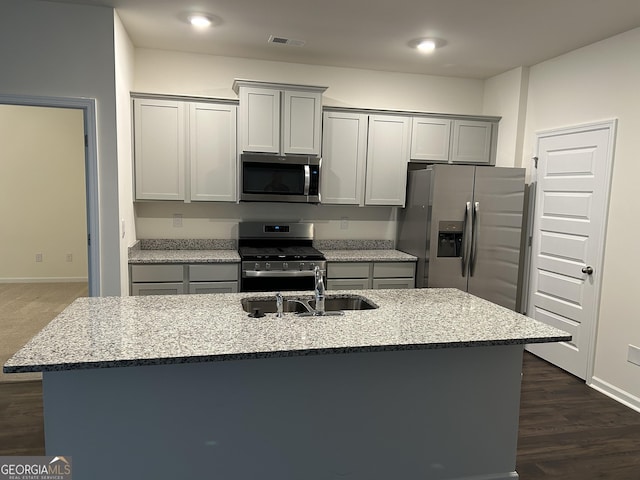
pixel 611 125
pixel 88 107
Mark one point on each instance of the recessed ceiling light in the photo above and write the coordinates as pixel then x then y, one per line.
pixel 427 45
pixel 199 20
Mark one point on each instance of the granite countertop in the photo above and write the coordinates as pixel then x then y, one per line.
pixel 102 332
pixel 367 256
pixel 183 256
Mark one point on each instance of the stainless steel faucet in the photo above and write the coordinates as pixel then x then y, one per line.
pixel 319 292
pixel 279 301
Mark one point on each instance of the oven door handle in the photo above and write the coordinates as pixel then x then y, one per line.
pixel 277 273
pixel 307 179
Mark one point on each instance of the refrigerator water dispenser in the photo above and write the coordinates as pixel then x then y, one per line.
pixel 450 238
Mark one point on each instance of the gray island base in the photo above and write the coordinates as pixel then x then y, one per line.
pixel 421 401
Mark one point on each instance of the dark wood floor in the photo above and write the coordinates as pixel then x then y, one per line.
pixel 568 431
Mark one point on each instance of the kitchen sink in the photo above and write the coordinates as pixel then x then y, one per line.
pixel 331 304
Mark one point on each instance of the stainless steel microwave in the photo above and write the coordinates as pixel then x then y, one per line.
pixel 277 178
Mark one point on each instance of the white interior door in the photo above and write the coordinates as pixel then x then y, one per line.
pixel 573 177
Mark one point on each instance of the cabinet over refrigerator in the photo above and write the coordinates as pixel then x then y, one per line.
pixel 464 223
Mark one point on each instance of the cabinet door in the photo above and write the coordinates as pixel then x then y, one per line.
pixel 212 153
pixel 344 154
pixel 379 283
pixel 430 138
pixel 472 142
pixel 157 273
pixel 214 272
pixel 302 122
pixel 394 269
pixel 260 119
pixel 213 287
pixel 387 159
pixel 157 289
pixel 159 149
pixel 349 284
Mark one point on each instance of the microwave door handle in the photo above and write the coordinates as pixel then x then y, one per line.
pixel 307 179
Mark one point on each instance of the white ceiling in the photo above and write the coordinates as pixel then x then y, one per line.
pixel 484 37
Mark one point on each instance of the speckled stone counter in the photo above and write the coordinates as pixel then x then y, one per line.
pixel 371 395
pixel 150 251
pixel 183 256
pixel 367 256
pixel 127 331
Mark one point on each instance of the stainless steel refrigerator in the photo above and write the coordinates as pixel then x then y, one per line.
pixel 464 223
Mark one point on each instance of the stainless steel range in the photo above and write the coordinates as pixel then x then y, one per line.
pixel 278 256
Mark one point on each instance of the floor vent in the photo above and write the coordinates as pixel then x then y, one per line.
pixel 286 41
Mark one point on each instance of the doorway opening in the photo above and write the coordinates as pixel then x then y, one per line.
pixel 80 112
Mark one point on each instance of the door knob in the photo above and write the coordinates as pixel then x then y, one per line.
pixel 588 270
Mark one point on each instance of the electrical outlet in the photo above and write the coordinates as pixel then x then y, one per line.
pixel 634 355
pixel 344 223
pixel 38 257
pixel 69 257
pixel 177 220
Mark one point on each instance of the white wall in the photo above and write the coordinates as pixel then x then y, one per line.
pixel 42 194
pixel 62 50
pixel 505 95
pixel 124 66
pixel 166 72
pixel 594 83
pixel 159 71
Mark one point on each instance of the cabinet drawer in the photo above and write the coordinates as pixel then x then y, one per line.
pixel 157 273
pixel 157 289
pixel 213 287
pixel 393 269
pixel 212 273
pixel 349 270
pixel 393 283
pixel 349 284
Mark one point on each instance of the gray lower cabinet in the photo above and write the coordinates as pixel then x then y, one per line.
pixel 178 279
pixel 213 278
pixel 365 275
pixel 161 288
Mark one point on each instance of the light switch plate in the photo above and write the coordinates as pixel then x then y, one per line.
pixel 634 355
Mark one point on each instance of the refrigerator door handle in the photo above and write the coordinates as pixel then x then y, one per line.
pixel 474 238
pixel 465 245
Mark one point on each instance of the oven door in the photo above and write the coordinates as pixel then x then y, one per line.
pixel 270 178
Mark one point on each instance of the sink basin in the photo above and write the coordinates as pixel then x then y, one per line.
pixel 331 304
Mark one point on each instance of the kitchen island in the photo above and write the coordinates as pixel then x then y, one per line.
pixel 425 386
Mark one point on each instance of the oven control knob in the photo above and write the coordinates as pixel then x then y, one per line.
pixel 285 266
pixel 301 265
pixel 256 266
pixel 312 266
pixel 267 266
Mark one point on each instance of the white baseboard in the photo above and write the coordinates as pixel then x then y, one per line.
pixel 45 280
pixel 616 393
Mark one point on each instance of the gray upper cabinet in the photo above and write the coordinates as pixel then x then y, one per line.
pixel 212 152
pixel 365 159
pixel 387 160
pixel 430 139
pixel 160 149
pixel 173 138
pixel 344 156
pixel 473 142
pixel 279 118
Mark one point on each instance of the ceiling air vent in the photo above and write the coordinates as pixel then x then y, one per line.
pixel 286 41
